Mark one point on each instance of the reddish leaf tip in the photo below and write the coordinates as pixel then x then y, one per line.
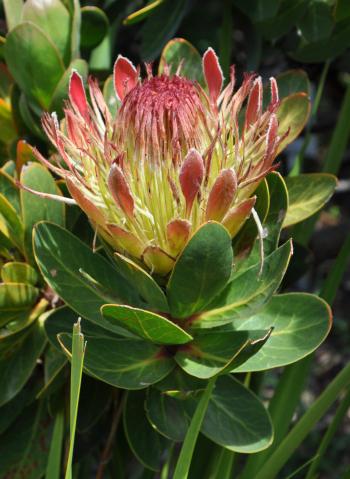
pixel 120 190
pixel 125 76
pixel 191 177
pixel 77 94
pixel 213 74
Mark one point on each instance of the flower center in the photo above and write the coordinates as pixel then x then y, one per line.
pixel 163 116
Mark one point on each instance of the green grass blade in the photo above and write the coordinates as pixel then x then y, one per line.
pixel 186 453
pixel 331 285
pixel 327 438
pixel 298 433
pixel 53 467
pixel 222 466
pixel 78 351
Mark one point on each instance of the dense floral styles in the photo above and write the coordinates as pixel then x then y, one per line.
pixel 176 155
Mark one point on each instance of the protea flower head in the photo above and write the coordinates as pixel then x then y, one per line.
pixel 175 155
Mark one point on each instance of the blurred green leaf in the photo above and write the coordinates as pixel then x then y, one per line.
pixel 13 12
pixel 146 444
pixel 179 52
pixel 109 95
pixel 201 271
pixel 27 117
pixel 12 409
pixel 16 300
pixel 258 10
pixel 327 48
pixel 160 27
pixel 52 17
pixel 94 26
pixel 307 194
pixel 288 15
pixel 7 127
pixel 9 189
pixel 66 262
pixel 24 453
pixel 16 272
pixel 236 419
pixel 300 324
pixel 145 324
pixel 34 61
pixel 100 58
pixel 75 11
pixel 10 223
pixel 18 363
pixel 342 10
pixel 317 21
pixel 35 208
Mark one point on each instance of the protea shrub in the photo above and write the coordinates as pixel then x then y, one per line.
pixel 179 182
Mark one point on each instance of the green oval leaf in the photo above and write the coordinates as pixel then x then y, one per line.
pixel 307 194
pixel 292 114
pixel 147 325
pixel 317 22
pixel 212 352
pixel 52 17
pixel 146 286
pixel 35 208
pixel 122 363
pixel 66 263
pixel 16 272
pixel 167 415
pixel 179 52
pixel 94 27
pixel 146 444
pixel 300 323
pixel 29 53
pixel 236 419
pixel 34 62
pixel 248 291
pixel 201 271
